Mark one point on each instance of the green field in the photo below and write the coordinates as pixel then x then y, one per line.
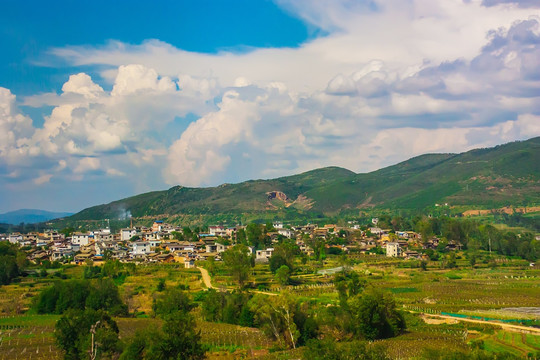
pixel 480 291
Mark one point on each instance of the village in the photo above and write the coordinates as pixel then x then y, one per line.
pixel 163 242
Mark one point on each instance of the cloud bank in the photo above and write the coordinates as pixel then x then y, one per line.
pixel 391 80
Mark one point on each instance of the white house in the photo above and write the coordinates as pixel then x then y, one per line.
pixel 393 249
pixel 60 253
pixel 264 255
pixel 80 239
pixel 217 230
pixel 221 248
pixel 15 238
pixel 126 234
pixel 288 233
pixel 140 248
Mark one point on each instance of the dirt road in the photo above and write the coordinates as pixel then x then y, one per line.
pixel 509 327
pixel 206 278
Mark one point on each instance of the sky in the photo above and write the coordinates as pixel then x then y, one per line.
pixel 100 100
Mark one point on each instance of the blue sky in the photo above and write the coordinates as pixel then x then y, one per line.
pixel 101 100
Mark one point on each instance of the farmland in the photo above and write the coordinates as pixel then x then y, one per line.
pixel 482 291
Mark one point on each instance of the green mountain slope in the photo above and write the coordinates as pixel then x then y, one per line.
pixel 504 175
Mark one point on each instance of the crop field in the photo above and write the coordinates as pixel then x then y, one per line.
pixel 31 337
pixel 496 293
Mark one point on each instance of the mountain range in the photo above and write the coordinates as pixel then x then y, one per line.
pixel 30 216
pixel 505 175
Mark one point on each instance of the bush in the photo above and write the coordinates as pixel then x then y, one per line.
pixel 79 295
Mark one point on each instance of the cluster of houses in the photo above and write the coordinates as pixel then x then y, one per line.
pixel 159 243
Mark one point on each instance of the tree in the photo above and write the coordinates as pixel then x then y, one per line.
pixel 275 316
pixel 241 237
pixel 255 235
pixel 425 229
pixel 283 254
pixel 283 275
pixel 212 306
pixel 11 259
pixel 211 265
pixel 173 300
pixel 374 315
pixel 237 260
pixel 177 235
pixel 8 269
pixel 104 295
pixel 178 339
pixel 317 245
pixel 73 334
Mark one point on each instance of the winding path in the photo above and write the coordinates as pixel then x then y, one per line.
pixel 206 278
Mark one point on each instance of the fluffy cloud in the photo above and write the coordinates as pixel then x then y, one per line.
pixel 389 80
pixel 15 130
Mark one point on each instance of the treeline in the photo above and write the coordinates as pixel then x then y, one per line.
pixel 470 233
pixel 12 260
pixel 98 294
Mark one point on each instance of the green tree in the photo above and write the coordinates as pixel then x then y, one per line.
pixel 73 334
pixel 212 306
pixel 178 339
pixel 104 295
pixel 255 235
pixel 237 260
pixel 283 254
pixel 11 259
pixel 317 245
pixel 241 237
pixel 283 275
pixel 275 316
pixel 374 315
pixel 172 301
pixel 8 269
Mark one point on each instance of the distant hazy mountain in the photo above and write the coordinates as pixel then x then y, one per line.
pixel 503 175
pixel 30 216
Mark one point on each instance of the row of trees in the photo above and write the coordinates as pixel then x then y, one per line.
pixel 98 294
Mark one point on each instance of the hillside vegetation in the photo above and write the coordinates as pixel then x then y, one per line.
pixel 490 178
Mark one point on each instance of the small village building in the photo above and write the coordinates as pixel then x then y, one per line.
pixel 393 249
pixel 264 255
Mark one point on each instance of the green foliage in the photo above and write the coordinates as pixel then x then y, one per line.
pixel 79 295
pixel 476 354
pixel 284 254
pixel 237 260
pixel 73 336
pixel 255 234
pixel 328 349
pixel 225 307
pixel 283 275
pixel 8 269
pixel 104 295
pixel 283 318
pixel 172 301
pixel 375 315
pixel 161 285
pixel 11 259
pixel 348 284
pixel 177 339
